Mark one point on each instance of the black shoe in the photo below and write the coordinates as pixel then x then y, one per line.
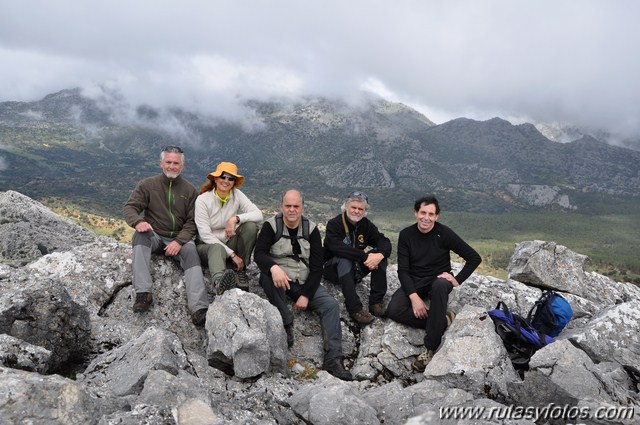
pixel 336 368
pixel 143 302
pixel 199 318
pixel 377 310
pixel 226 282
pixel 242 280
pixel 289 330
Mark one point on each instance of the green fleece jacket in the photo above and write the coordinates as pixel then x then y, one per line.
pixel 167 204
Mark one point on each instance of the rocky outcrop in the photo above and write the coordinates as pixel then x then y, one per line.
pixel 30 230
pixel 73 352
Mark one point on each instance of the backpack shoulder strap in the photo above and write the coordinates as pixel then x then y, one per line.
pixel 536 306
pixel 279 227
pixel 305 228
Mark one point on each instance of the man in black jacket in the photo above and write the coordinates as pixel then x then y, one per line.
pixel 347 260
pixel 424 270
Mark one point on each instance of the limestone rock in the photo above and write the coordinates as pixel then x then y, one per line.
pixel 123 371
pixel 44 314
pixel 473 357
pixel 613 335
pixel 29 230
pixel 246 335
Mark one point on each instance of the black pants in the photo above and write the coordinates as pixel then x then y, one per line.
pixel 437 290
pixel 340 270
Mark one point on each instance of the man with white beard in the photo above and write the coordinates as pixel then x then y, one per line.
pixel 161 210
pixel 354 247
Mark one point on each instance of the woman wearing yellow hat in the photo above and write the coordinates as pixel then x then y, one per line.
pixel 227 227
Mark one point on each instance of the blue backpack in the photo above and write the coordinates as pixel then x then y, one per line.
pixel 520 338
pixel 550 314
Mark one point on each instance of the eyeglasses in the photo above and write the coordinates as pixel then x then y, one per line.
pixel 359 195
pixel 172 148
pixel 228 177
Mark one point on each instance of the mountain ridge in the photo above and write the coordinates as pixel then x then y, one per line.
pixel 322 145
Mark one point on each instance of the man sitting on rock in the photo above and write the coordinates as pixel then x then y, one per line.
pixel 424 270
pixel 161 209
pixel 346 262
pixel 289 254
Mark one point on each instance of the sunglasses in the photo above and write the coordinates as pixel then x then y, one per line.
pixel 172 149
pixel 359 195
pixel 227 177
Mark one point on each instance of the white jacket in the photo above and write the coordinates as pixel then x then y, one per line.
pixel 211 219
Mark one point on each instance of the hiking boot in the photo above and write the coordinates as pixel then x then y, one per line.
pixel 199 317
pixel 242 280
pixel 450 316
pixel 336 368
pixel 377 310
pixel 362 317
pixel 421 362
pixel 289 331
pixel 226 282
pixel 143 302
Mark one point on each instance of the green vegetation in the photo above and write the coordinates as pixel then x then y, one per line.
pixel 611 241
pixel 107 226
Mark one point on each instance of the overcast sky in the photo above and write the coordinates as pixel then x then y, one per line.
pixel 540 61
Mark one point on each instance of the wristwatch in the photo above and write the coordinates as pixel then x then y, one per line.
pixel 237 219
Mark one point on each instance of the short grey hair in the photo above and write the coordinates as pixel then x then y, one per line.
pixel 356 197
pixel 163 153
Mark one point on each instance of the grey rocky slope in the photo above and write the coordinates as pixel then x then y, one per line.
pixel 73 352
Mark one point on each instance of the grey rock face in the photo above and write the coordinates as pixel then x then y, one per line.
pixel 331 401
pixel 29 230
pixel 246 335
pixel 43 314
pixel 548 265
pixel 614 334
pixel 472 357
pixel 71 310
pixel 563 374
pixel 123 371
pixel 31 398
pixel 19 354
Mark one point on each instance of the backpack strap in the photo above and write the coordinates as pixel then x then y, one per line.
pixel 279 234
pixel 280 227
pixel 305 228
pixel 346 229
pixel 539 303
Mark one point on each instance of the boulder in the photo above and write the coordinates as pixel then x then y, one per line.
pixel 564 375
pixel 124 370
pixel 31 398
pixel 613 335
pixel 472 356
pixel 43 314
pixel 19 354
pixel 246 336
pixel 331 401
pixel 29 230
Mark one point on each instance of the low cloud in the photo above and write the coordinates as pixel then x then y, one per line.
pixel 544 61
